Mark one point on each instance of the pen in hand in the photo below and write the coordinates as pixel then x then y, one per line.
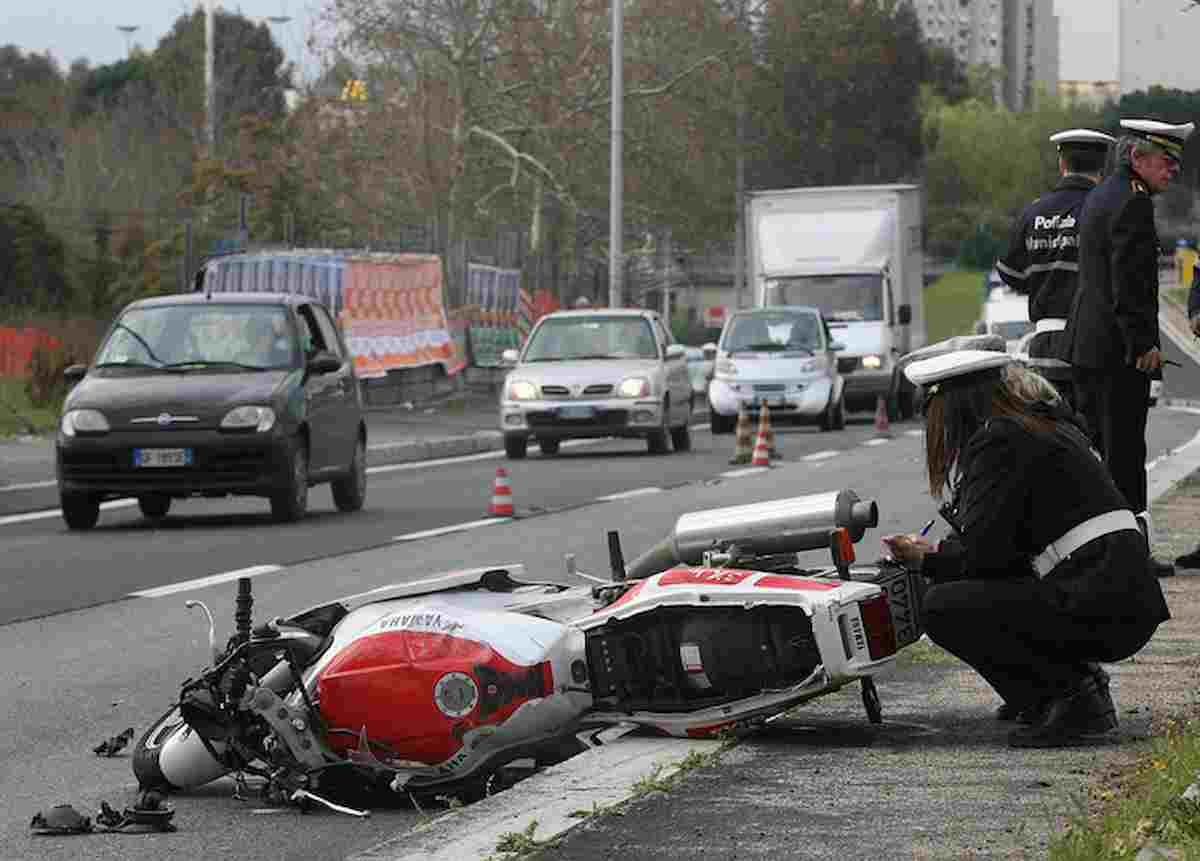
pixel 925 529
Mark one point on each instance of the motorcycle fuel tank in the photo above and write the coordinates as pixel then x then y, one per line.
pixel 441 685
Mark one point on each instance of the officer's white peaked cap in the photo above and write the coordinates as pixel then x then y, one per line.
pixel 1082 138
pixel 959 363
pixel 994 343
pixel 1170 137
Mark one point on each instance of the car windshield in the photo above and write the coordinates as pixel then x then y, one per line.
pixel 841 298
pixel 194 336
pixel 774 332
pixel 591 337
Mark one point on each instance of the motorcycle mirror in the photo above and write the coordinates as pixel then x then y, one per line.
pixel 616 559
pixel 212 629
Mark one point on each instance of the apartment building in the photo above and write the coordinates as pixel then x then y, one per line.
pixel 1017 37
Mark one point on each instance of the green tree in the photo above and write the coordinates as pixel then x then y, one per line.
pixel 985 163
pixel 838 92
pixel 250 74
pixel 33 272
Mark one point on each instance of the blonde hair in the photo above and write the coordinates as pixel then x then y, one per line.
pixel 956 412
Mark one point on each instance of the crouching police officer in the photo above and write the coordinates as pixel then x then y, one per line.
pixel 1046 574
pixel 1042 260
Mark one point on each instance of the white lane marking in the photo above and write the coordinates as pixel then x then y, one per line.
pixel 738 473
pixel 877 441
pixel 201 582
pixel 54 512
pixel 446 530
pixel 629 494
pixel 914 433
pixel 29 485
pixel 821 455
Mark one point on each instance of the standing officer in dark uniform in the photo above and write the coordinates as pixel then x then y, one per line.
pixel 1112 335
pixel 1042 260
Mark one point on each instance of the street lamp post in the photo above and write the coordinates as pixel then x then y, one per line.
pixel 210 96
pixel 616 269
pixel 128 30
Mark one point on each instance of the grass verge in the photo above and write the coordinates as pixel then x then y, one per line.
pixel 952 304
pixel 1141 805
pixel 18 415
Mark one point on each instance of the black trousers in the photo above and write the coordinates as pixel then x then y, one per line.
pixel 1045 353
pixel 1012 634
pixel 1116 403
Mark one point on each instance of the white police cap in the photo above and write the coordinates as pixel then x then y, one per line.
pixel 1082 139
pixel 994 343
pixel 1170 138
pixel 959 363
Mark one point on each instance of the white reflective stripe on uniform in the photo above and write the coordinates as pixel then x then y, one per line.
pixel 1073 539
pixel 1050 324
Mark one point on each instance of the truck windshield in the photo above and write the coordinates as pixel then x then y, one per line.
pixel 841 298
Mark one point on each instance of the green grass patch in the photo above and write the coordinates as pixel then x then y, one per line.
pixel 1177 296
pixel 18 415
pixel 952 304
pixel 1141 805
pixel 924 652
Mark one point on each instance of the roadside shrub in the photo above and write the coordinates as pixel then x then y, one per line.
pixel 45 386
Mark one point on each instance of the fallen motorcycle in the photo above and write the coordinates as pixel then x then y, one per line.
pixel 431 688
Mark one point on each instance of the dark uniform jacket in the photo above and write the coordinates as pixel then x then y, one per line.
pixel 1019 491
pixel 1042 260
pixel 1114 318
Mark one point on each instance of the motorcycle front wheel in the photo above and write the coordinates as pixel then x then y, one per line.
pixel 171 755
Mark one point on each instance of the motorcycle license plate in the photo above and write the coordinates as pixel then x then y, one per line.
pixel 162 457
pixel 576 413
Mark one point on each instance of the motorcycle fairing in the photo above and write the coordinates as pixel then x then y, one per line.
pixel 381 678
pixel 827 626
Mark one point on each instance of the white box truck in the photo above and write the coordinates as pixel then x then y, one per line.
pixel 854 252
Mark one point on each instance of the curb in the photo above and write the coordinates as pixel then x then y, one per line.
pixel 433 449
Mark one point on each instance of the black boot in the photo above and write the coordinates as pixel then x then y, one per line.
pixel 1161 569
pixel 1026 714
pixel 1072 719
pixel 1189 560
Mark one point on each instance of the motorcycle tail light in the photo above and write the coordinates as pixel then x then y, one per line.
pixel 881 633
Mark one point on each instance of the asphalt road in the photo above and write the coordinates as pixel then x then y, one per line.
pixel 91 666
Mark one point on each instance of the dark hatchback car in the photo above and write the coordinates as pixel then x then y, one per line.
pixel 213 395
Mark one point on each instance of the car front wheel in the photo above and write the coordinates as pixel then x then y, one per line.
pixel 289 503
pixel 350 491
pixel 154 505
pixel 515 446
pixel 79 510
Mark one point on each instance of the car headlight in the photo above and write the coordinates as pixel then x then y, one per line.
pixel 83 421
pixel 872 363
pixel 249 418
pixel 725 368
pixel 634 387
pixel 522 390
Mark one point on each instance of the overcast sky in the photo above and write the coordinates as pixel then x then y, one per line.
pixel 69 29
pixel 1087 49
pixel 86 28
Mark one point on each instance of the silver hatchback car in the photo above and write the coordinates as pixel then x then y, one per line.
pixel 597 373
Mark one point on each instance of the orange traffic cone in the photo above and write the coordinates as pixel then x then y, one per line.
pixel 881 419
pixel 502 504
pixel 762 449
pixel 744 438
pixel 765 416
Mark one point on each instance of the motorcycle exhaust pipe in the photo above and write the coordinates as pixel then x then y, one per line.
pixel 760 529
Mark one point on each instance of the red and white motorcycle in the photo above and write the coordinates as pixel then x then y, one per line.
pixel 434 687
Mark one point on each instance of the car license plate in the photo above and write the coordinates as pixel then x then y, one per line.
pixel 576 413
pixel 162 457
